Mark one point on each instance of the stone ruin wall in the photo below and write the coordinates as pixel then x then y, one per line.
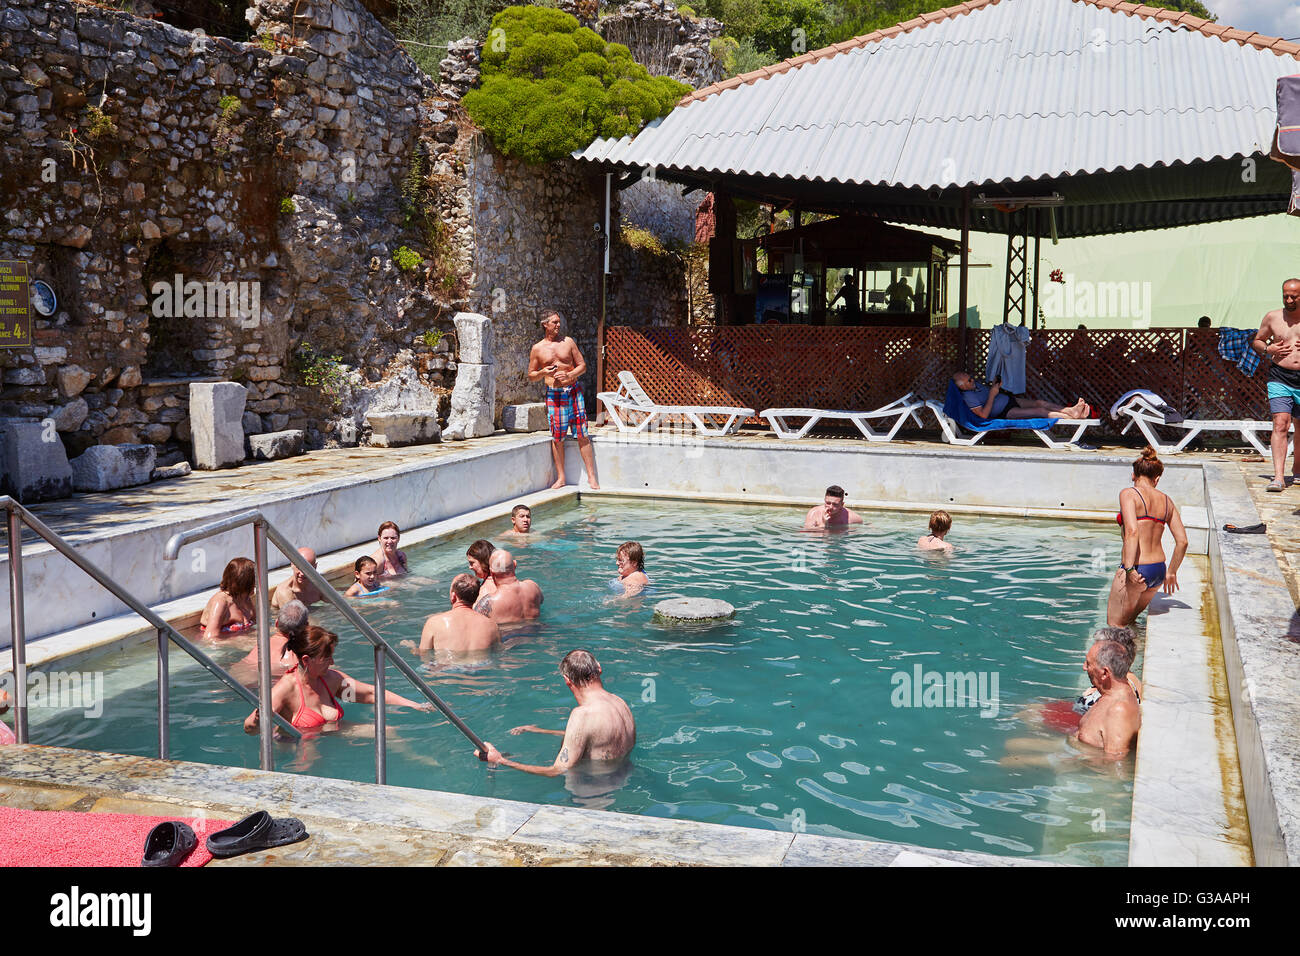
pixel 299 190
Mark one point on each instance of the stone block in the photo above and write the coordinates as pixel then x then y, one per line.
pixel 35 463
pixel 394 429
pixel 474 336
pixel 473 402
pixel 525 418
pixel 105 467
pixel 216 424
pixel 70 416
pixel 272 446
pixel 179 470
pixel 73 380
pixel 252 423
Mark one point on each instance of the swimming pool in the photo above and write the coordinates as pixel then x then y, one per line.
pixel 815 709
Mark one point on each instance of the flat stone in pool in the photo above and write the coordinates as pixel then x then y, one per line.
pixel 693 610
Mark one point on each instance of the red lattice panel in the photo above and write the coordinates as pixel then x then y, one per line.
pixel 802 366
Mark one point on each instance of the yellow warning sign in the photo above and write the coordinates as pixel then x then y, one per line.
pixel 15 305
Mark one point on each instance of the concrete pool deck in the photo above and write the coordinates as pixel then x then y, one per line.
pixel 437 490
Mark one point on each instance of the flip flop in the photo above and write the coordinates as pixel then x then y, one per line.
pixel 257 831
pixel 1251 529
pixel 168 844
pixel 1275 486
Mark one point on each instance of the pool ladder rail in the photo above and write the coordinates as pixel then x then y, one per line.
pixel 17 515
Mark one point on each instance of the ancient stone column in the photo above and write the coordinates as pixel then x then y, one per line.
pixel 473 399
pixel 217 424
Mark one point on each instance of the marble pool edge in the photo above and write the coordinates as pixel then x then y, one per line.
pixel 236 791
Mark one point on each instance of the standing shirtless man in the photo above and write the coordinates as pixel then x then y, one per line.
pixel 600 728
pixel 1278 340
pixel 557 360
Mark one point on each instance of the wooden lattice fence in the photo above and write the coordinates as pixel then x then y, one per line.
pixel 764 366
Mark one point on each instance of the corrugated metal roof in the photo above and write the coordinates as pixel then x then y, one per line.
pixel 1012 91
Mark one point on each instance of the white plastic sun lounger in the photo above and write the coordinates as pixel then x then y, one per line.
pixel 952 431
pixel 900 410
pixel 631 410
pixel 1146 410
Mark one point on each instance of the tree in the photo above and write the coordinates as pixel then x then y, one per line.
pixel 550 86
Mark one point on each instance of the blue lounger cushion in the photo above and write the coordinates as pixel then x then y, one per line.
pixel 955 407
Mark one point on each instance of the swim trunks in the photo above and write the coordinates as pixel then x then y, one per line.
pixel 566 411
pixel 1283 390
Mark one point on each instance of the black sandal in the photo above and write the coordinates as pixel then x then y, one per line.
pixel 257 831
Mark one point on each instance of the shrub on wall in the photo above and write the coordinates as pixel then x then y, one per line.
pixel 550 86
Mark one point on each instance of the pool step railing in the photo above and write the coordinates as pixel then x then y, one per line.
pixel 16 516
pixel 264 530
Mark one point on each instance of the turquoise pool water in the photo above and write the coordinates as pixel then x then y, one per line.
pixel 814 710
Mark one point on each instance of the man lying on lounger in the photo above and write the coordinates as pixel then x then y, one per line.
pixel 989 401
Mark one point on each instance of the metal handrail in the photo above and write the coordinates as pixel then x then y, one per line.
pixel 262 530
pixel 18 515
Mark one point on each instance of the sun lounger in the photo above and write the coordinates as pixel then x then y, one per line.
pixel 631 410
pixel 1146 410
pixel 900 410
pixel 955 416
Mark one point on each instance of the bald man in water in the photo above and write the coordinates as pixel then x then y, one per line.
pixel 600 729
pixel 296 587
pixel 513 600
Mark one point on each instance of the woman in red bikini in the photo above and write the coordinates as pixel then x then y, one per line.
pixel 1144 514
pixel 231 610
pixel 308 695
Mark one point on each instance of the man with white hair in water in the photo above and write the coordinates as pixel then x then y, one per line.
pixel 1112 723
pixel 513 600
pixel 600 728
pixel 291 620
pixel 296 587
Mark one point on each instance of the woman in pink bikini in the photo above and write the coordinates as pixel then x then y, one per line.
pixel 307 695
pixel 1144 514
pixel 231 609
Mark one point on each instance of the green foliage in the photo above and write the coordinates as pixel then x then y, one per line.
pixel 791 27
pixel 229 106
pixel 851 18
pixel 407 259
pixel 326 372
pixel 287 206
pixel 97 124
pixel 431 338
pixel 550 86
pixel 425 27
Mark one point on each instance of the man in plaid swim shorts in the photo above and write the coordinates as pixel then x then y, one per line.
pixel 557 360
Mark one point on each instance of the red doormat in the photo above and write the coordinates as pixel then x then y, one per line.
pixel 72 838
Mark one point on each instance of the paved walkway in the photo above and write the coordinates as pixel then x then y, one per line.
pixel 93 513
pixel 1281 513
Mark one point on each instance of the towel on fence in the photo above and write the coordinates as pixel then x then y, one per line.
pixel 1234 345
pixel 1007 357
pixel 955 407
